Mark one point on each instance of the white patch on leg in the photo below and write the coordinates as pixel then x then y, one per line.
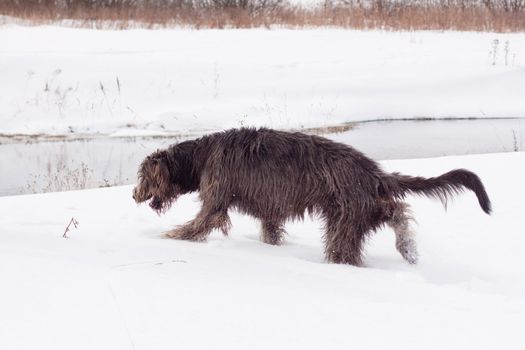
pixel 405 241
pixel 406 245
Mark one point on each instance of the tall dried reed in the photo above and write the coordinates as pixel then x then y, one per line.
pixel 474 15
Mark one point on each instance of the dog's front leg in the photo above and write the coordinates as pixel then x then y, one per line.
pixel 200 227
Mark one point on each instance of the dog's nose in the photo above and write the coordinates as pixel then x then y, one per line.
pixel 133 194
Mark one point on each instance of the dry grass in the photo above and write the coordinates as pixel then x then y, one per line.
pixel 474 15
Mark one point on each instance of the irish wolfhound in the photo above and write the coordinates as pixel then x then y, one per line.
pixel 276 176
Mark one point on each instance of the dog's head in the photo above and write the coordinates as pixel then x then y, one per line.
pixel 156 183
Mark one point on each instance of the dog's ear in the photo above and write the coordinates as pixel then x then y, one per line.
pixel 161 174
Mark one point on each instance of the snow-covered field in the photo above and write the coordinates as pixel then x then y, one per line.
pixel 62 80
pixel 115 284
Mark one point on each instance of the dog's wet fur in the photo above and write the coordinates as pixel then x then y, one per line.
pixel 276 176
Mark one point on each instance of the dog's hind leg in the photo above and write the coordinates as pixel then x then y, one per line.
pixel 343 241
pixel 272 233
pixel 405 240
pixel 200 227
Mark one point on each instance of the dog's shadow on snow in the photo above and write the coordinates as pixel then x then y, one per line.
pixel 304 243
pixel 248 242
pixel 243 242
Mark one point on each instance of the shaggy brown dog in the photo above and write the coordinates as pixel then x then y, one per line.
pixel 275 176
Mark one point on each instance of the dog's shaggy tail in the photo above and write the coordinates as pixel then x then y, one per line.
pixel 444 186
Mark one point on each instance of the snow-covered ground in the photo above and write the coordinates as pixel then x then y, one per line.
pixel 61 80
pixel 115 284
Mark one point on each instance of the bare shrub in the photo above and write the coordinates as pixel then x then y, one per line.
pixel 62 177
pixel 480 15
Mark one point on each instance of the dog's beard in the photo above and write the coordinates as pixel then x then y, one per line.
pixel 159 205
pixel 156 204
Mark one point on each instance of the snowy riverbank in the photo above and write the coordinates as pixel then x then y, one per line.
pixel 61 80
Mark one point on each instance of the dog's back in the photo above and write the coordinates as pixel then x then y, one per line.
pixel 283 174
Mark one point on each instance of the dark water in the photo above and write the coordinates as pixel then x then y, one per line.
pixel 68 165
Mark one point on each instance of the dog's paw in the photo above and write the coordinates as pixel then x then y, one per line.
pixel 408 250
pixel 170 234
pixel 177 233
pixel 183 233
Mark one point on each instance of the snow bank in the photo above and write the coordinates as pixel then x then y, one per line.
pixel 62 80
pixel 115 284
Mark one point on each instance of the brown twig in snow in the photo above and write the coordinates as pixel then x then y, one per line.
pixel 72 221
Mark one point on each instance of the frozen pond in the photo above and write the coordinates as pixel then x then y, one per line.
pixel 67 165
pixel 405 139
